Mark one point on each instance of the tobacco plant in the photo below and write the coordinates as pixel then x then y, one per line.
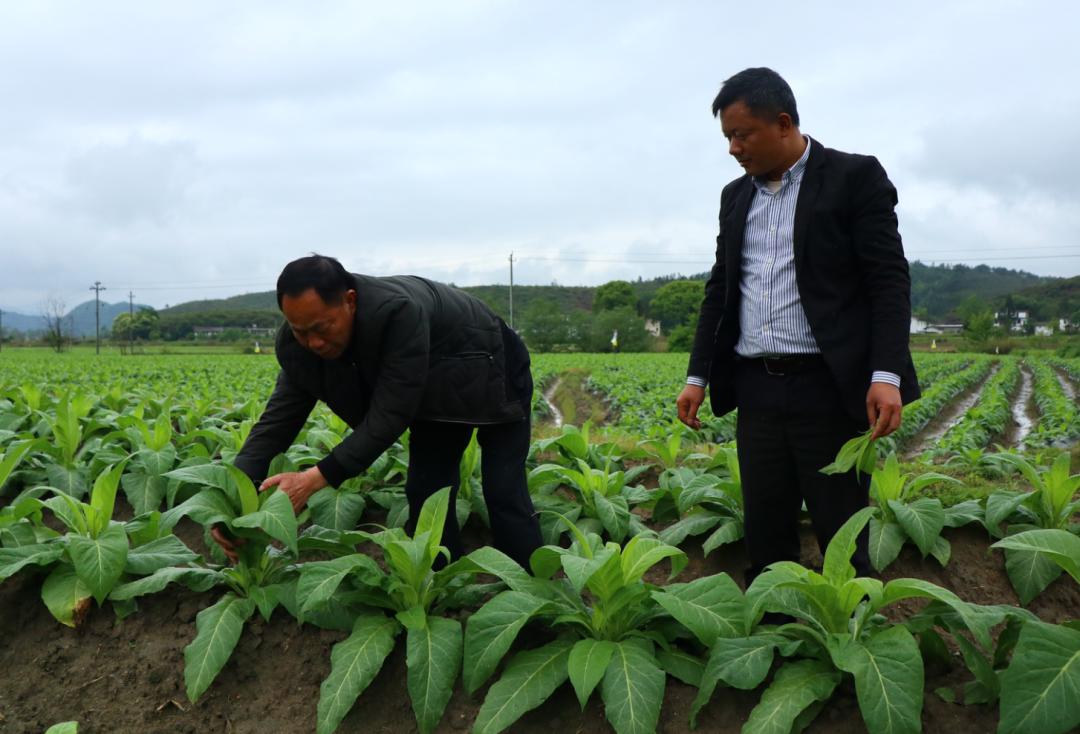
pixel 1052 505
pixel 262 578
pixel 603 495
pixel 609 626
pixel 410 596
pixel 899 517
pixel 842 633
pixel 695 503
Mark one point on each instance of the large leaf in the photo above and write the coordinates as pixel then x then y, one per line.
pixel 434 659
pixel 888 673
pixel 207 507
pixel 729 532
pixel 1040 690
pixel 354 663
pixel 1060 546
pixel 693 524
pixel 335 508
pixel 588 661
pixel 65 595
pixel 886 540
pixel 196 579
pixel 275 517
pixel 795 688
pixel 614 514
pixel 159 553
pixel 12 560
pixel 973 617
pixel 633 688
pixel 710 607
pixel 100 561
pixel 963 513
pixel 530 677
pixel 740 662
pixel 103 498
pixel 922 520
pixel 1030 572
pixel 144 492
pixel 432 518
pixel 837 566
pixel 642 553
pixel 490 632
pixel 218 630
pixel 320 579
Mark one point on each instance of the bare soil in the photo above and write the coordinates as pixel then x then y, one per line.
pixel 121 676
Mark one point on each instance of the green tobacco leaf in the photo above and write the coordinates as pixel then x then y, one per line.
pixel 941 551
pixel 588 661
pixel 795 688
pixel 999 508
pixel 495 562
pixel 886 540
pixel 1059 546
pixel 320 579
pixel 433 518
pixel 682 665
pixel 633 688
pixel 973 617
pixel 642 553
pixel 65 595
pixel 67 727
pixel 693 524
pixel 12 560
pixel 529 679
pixel 100 561
pixel 921 519
pixel 614 514
pixel 742 662
pixel 729 532
pixel 69 480
pixel 490 632
pixel 1029 572
pixel 275 518
pixel 207 507
pixel 196 579
pixel 837 567
pixel 354 663
pixel 963 513
pixel 218 630
pixel 12 457
pixel 103 498
pixel 245 490
pixel 159 553
pixel 1040 690
pixel 888 673
pixel 710 607
pixel 144 491
pixel 433 657
pixel 336 509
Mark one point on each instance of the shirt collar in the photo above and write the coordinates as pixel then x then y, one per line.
pixel 792 174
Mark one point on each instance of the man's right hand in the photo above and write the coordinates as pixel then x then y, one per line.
pixel 229 545
pixel 690 399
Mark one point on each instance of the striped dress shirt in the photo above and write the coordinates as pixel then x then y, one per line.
pixel 772 321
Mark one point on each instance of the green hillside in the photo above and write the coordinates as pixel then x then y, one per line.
pixel 936 292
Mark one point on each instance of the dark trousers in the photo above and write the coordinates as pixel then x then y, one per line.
pixel 435 451
pixel 789 427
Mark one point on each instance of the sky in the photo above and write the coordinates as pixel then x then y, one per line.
pixel 181 151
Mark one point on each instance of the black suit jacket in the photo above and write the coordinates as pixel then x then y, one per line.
pixel 850 270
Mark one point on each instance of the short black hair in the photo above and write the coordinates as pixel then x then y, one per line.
pixel 762 90
pixel 325 274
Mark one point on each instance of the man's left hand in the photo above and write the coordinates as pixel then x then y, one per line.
pixel 883 408
pixel 299 486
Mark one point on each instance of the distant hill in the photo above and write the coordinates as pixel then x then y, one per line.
pixel 1059 298
pixel 78 322
pixel 939 289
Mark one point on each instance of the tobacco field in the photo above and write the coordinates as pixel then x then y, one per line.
pixel 118 612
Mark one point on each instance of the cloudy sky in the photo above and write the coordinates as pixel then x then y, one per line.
pixel 189 150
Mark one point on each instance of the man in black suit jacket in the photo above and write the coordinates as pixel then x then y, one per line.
pixel 804 325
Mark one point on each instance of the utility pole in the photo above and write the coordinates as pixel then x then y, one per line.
pixel 511 290
pixel 131 322
pixel 97 288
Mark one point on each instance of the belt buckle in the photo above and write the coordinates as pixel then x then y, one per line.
pixel 769 371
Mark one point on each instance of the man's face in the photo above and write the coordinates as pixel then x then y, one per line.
pixel 758 144
pixel 320 327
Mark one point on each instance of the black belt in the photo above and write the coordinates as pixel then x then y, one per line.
pixel 791 364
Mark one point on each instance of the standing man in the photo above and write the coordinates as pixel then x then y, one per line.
pixel 804 324
pixel 389 354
